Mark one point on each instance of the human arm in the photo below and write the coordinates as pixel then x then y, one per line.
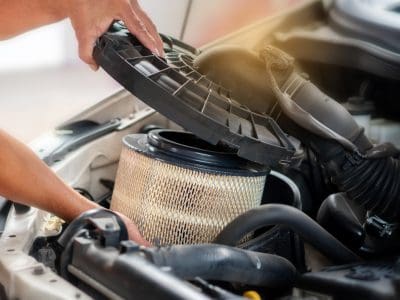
pixel 25 179
pixel 89 18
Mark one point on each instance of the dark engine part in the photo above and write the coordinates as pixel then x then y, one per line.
pixel 342 220
pixel 117 275
pixel 369 175
pixel 95 255
pixel 350 224
pixel 92 260
pixel 223 263
pixel 273 214
pixel 280 239
pixel 365 281
pixel 372 180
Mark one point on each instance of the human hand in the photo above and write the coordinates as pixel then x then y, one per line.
pixel 133 231
pixel 91 18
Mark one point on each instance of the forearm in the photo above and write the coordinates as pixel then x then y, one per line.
pixel 24 178
pixel 19 16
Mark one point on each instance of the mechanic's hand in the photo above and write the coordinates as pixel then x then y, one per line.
pixel 133 231
pixel 92 18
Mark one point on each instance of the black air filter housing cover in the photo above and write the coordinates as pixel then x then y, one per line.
pixel 175 89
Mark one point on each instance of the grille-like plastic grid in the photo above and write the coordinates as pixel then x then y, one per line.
pixel 175 205
pixel 177 90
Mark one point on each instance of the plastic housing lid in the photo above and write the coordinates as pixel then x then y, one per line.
pixel 176 90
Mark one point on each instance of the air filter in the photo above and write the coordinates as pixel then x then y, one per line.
pixel 179 189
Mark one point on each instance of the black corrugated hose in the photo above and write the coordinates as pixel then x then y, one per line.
pixel 371 180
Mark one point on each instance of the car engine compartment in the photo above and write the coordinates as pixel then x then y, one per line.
pixel 248 180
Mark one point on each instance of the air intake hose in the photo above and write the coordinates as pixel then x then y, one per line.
pixel 299 222
pixel 372 180
pixel 370 175
pixel 223 263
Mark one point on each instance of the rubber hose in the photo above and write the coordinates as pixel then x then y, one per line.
pixel 373 183
pixel 299 222
pixel 223 263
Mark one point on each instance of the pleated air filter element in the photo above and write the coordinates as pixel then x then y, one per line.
pixel 179 189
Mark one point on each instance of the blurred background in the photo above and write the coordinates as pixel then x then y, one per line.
pixel 42 81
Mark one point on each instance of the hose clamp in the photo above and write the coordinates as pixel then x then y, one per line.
pixel 376 226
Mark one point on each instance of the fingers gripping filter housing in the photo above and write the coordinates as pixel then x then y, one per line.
pixel 179 189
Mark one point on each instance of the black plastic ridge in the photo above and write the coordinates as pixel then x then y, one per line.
pixel 176 90
pixel 186 150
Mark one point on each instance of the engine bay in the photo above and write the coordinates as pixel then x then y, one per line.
pixel 262 166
